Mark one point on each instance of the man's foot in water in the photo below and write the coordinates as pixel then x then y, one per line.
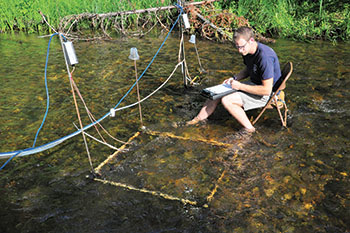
pixel 245 133
pixel 195 121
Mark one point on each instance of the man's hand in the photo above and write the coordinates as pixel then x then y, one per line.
pixel 233 83
pixel 228 81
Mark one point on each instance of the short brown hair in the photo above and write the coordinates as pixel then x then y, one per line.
pixel 243 32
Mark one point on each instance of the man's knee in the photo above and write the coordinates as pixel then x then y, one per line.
pixel 229 100
pixel 225 101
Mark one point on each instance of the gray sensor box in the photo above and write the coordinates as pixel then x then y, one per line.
pixel 69 52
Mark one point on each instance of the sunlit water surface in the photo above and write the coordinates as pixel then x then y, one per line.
pixel 280 180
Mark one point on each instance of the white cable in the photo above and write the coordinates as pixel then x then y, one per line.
pixel 104 143
pixel 131 105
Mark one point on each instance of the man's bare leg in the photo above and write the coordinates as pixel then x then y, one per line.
pixel 234 105
pixel 208 108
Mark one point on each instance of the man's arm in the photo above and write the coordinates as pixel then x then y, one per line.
pixel 243 74
pixel 264 89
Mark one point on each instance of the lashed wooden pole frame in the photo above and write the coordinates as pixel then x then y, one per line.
pixel 209 198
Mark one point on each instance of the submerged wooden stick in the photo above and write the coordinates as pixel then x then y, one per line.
pixel 170 135
pixel 211 195
pixel 97 169
pixel 154 193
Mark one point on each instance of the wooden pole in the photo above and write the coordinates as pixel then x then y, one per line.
pixel 138 93
pixel 182 48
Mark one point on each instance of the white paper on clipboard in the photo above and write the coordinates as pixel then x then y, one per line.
pixel 217 91
pixel 221 88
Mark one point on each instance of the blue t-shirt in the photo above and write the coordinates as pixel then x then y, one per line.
pixel 263 64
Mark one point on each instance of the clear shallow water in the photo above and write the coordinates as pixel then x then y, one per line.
pixel 281 180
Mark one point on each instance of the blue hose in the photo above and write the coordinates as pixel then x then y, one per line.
pixel 47 90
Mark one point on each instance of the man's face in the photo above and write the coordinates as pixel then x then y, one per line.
pixel 243 46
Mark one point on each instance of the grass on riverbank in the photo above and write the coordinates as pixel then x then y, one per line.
pixel 296 19
pixel 22 15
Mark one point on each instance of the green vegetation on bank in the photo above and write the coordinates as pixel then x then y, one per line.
pixel 296 19
pixel 22 15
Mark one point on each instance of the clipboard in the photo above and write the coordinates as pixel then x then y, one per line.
pixel 218 91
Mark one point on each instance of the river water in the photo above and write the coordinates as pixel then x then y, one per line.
pixel 280 180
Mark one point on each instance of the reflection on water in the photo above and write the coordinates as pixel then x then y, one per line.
pixel 287 180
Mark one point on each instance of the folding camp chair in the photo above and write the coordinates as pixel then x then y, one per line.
pixel 279 86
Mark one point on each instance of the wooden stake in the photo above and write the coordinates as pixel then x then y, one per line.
pixel 138 93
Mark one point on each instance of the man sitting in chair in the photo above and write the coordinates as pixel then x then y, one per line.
pixel 262 65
